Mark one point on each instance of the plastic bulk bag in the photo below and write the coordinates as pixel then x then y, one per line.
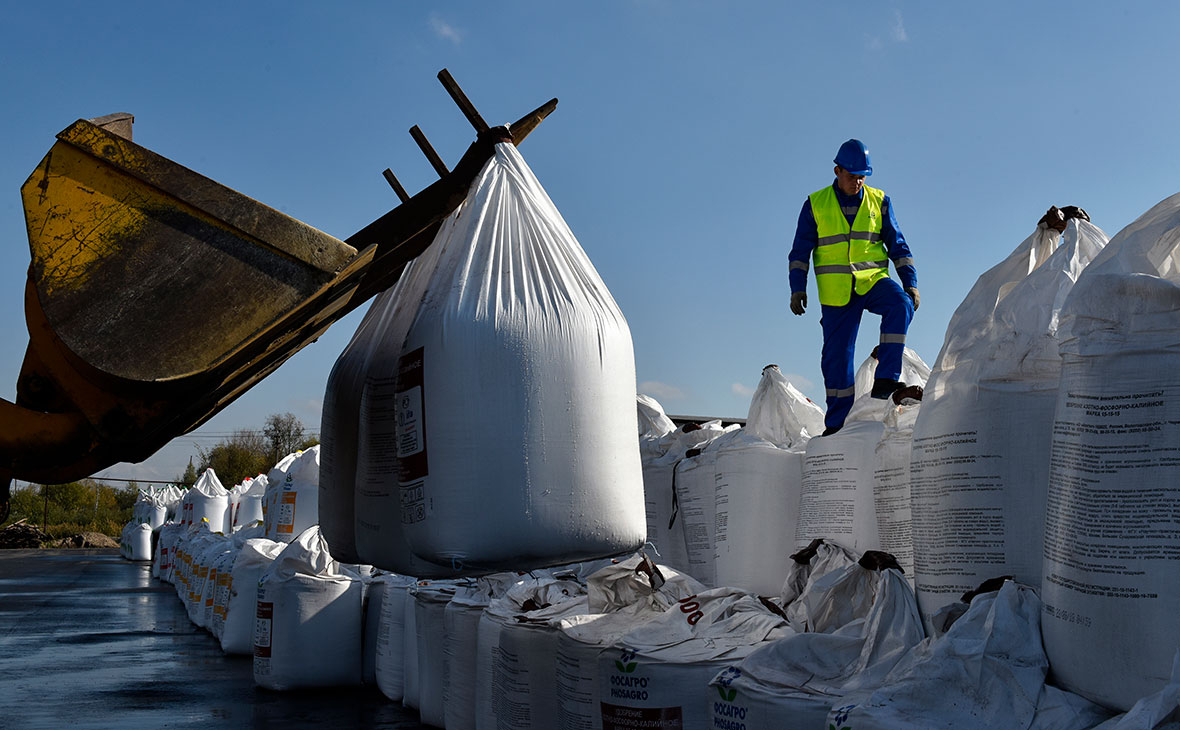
pixel 138 539
pixel 249 505
pixel 241 608
pixel 165 548
pixel 339 425
pixel 657 672
pixel 517 641
pixel 391 635
pixel 295 498
pixel 808 566
pixel 374 599
pixel 838 502
pixel 308 627
pixel 1157 711
pixel 1111 581
pixel 460 640
pixel 208 502
pixel 551 451
pixel 801 676
pixel 430 604
pixel 987 672
pixel 740 497
pixel 979 464
pixel 217 584
pixel 665 523
pixel 270 498
pixel 620 598
pixel 654 424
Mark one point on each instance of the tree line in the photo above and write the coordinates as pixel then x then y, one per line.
pixel 91 505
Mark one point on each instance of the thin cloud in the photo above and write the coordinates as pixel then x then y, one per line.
pixel 661 391
pixel 898 29
pixel 445 30
pixel 741 390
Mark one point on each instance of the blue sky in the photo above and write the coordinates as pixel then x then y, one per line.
pixel 687 136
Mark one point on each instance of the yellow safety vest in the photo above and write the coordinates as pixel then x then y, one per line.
pixel 846 255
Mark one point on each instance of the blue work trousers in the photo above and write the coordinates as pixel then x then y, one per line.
pixel 840 325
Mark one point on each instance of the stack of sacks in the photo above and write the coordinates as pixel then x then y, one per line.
pixel 308 631
pixel 293 496
pixel 461 642
pixel 254 558
pixel 866 619
pixel 430 603
pixel 247 500
pixel 739 498
pixel 1111 582
pixel 843 501
pixel 166 551
pixel 808 566
pixel 339 424
pixel 660 455
pixel 136 541
pixel 508 485
pixel 374 601
pixel 979 467
pixel 517 642
pixel 203 584
pixel 151 507
pixel 987 672
pixel 207 502
pixel 389 664
pixel 221 576
pixel 620 597
pixel 660 668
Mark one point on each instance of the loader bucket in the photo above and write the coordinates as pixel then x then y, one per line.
pixel 156 296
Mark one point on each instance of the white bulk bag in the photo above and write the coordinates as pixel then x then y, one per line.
pixel 308 628
pixel 1156 711
pixel 165 550
pixel 270 498
pixel 208 502
pixel 224 568
pixel 1111 581
pixel 374 598
pixel 338 434
pixel 430 604
pixel 378 529
pixel 250 499
pixel 838 501
pixel 389 664
pixel 659 670
pixel 980 460
pixel 987 672
pixel 891 485
pixel 654 424
pixel 665 523
pixel 515 319
pixel 241 607
pixel 460 642
pixel 139 541
pixel 296 498
pixel 517 640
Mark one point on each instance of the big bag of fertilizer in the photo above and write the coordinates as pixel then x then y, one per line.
pixel 338 433
pixel 250 498
pixel 839 495
pixel 1111 582
pixel 802 676
pixel 241 604
pixel 980 460
pixel 514 392
pixel 295 498
pixel 308 631
pixel 389 664
pixel 620 598
pixel 657 673
pixel 740 497
pixel 207 501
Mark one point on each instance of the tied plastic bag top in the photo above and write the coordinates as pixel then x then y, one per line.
pixel 207 503
pixel 514 392
pixel 654 424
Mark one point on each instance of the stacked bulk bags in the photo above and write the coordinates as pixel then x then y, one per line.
pixel 389 664
pixel 656 672
pixel 979 464
pixel 514 318
pixel 207 502
pixel 430 603
pixel 294 502
pixel 1111 583
pixel 740 496
pixel 808 566
pixel 136 541
pixel 839 494
pixel 270 498
pixel 339 422
pixel 241 608
pixel 308 628
pixel 867 620
pixel 460 644
pixel 248 504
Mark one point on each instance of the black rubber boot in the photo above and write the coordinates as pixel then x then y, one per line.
pixel 884 387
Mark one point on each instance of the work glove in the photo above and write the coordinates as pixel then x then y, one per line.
pixel 799 302
pixel 913 292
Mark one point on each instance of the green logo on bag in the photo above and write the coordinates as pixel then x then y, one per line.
pixel 727 694
pixel 626 668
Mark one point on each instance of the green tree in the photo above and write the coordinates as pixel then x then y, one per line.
pixel 190 474
pixel 244 454
pixel 284 434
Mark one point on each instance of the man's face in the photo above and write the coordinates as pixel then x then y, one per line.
pixel 848 183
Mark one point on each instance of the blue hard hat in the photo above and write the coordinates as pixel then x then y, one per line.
pixel 854 157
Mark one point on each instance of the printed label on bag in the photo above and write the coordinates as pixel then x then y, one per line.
pixel 262 627
pixel 411 419
pixel 621 717
pixel 413 503
pixel 286 524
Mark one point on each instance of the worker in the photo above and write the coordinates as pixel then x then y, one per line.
pixel 850 231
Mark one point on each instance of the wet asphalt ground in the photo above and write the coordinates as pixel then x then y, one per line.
pixel 90 640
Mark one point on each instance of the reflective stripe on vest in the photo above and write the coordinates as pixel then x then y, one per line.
pixel 847 256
